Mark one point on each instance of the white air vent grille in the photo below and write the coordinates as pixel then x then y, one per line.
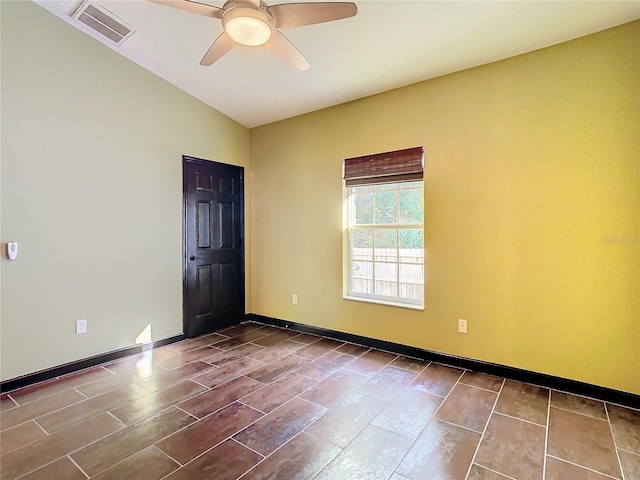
pixel 103 21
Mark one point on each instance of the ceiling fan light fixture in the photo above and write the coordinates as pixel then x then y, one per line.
pixel 248 26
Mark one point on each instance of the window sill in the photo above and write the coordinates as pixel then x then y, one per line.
pixel 383 302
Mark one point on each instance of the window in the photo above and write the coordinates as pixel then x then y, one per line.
pixel 384 234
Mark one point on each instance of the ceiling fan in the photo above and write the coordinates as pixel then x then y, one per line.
pixel 253 23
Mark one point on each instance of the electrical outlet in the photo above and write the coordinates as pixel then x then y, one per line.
pixel 294 299
pixel 81 326
pixel 462 326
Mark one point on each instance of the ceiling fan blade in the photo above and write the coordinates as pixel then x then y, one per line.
pixel 289 15
pixel 284 49
pixel 193 7
pixel 217 49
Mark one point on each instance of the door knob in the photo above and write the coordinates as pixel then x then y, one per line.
pixel 192 257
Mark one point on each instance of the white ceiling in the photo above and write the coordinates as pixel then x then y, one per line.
pixel 388 44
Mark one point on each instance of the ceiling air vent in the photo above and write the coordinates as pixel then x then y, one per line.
pixel 103 21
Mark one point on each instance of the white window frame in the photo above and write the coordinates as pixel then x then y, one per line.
pixel 349 225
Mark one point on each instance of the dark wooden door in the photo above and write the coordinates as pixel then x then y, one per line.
pixel 213 245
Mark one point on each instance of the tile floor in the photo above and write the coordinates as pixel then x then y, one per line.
pixel 259 402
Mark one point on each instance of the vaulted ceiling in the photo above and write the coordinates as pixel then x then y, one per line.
pixel 388 44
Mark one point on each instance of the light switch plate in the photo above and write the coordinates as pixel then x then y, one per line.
pixel 12 250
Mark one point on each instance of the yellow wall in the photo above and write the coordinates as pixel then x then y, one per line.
pixel 532 208
pixel 92 191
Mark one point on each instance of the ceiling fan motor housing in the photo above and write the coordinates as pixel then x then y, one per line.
pixel 247 24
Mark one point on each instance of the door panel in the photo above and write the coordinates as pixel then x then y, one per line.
pixel 203 182
pixel 203 225
pixel 226 225
pixel 203 287
pixel 214 245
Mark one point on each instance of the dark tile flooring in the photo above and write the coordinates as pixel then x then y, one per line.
pixel 259 402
